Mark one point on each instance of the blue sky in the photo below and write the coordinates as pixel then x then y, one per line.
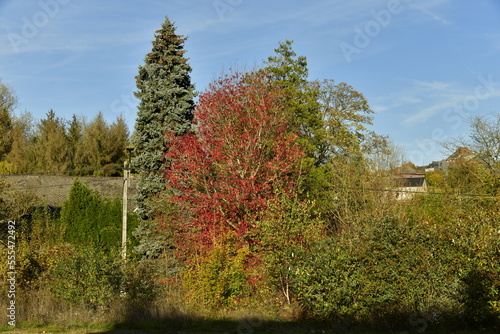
pixel 425 66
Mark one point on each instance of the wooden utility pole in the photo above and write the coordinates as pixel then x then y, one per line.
pixel 126 182
pixel 126 175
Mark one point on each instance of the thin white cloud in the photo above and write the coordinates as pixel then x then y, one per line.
pixel 422 100
pixel 438 97
pixel 429 9
pixel 434 85
pixel 396 101
pixel 380 108
pixel 410 100
pixel 312 14
pixel 426 113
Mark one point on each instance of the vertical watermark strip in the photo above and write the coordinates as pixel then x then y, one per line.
pixel 11 273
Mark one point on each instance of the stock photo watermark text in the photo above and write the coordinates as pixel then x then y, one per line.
pixel 31 26
pixel 456 115
pixel 223 7
pixel 366 33
pixel 11 273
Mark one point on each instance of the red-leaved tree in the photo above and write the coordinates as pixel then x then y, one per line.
pixel 223 176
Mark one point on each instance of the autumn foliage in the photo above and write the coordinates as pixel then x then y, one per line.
pixel 222 177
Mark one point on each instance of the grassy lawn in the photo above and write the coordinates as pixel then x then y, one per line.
pixel 225 328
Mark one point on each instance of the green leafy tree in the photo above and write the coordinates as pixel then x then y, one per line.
pixel 287 234
pixel 332 120
pixel 302 103
pixel 346 115
pixel 470 177
pixel 484 140
pixel 290 72
pixel 482 145
pixel 93 144
pixel 166 105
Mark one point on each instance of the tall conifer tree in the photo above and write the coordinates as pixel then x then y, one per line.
pixel 166 106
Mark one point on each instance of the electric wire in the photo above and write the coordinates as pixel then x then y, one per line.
pixel 160 172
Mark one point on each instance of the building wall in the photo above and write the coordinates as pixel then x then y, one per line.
pixel 407 193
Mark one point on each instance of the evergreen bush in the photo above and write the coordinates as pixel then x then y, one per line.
pixel 89 218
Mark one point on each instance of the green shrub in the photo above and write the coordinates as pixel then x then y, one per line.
pixel 90 277
pixel 38 247
pixel 220 279
pixel 90 219
pixel 481 296
pixel 7 168
pixel 398 268
pixel 286 234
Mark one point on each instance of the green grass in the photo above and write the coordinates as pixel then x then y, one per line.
pixel 221 327
pixel 288 330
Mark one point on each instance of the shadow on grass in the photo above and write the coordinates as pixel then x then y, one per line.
pixel 474 315
pixel 434 322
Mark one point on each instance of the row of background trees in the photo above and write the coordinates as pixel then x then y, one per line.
pixel 54 144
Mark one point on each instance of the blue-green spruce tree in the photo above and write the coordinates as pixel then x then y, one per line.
pixel 166 105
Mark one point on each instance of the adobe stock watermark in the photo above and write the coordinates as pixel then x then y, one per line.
pixel 223 7
pixel 365 34
pixel 11 273
pixel 125 105
pixel 247 326
pixel 420 322
pixel 31 26
pixel 455 116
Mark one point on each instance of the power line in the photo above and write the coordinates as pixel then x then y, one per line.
pixel 411 191
pixel 398 191
pixel 328 187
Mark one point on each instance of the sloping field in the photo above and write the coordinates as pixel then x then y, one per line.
pixel 54 190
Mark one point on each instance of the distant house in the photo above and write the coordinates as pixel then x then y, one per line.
pixel 410 184
pixel 437 165
pixel 462 154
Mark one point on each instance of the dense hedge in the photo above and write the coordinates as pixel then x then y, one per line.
pixel 394 270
